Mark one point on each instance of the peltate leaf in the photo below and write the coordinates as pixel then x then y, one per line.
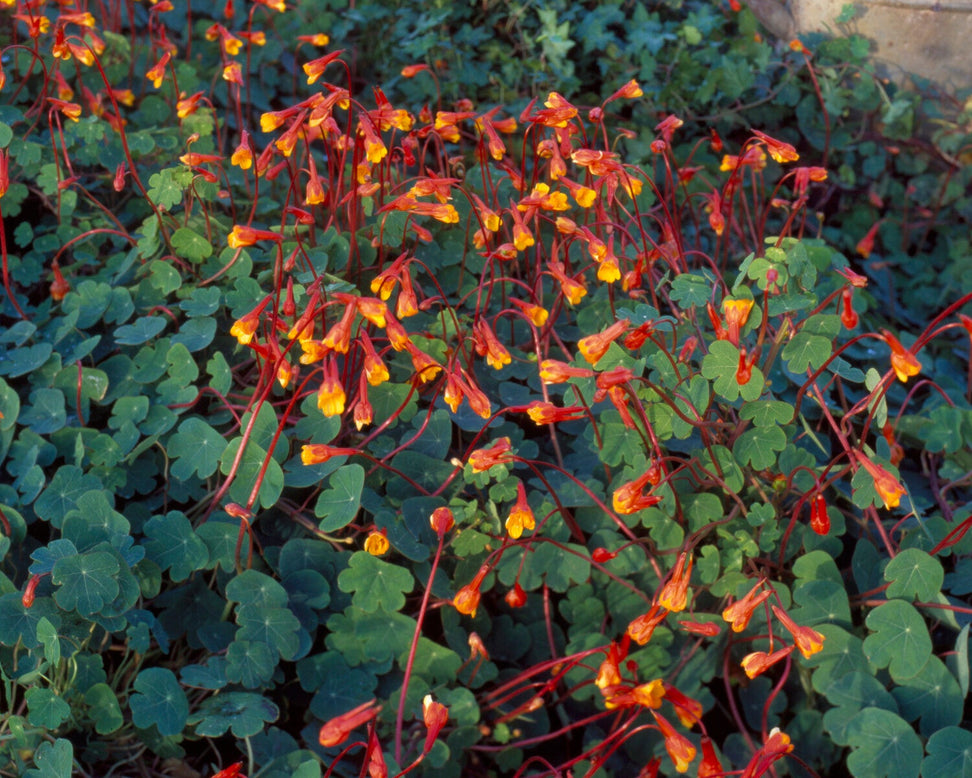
pixel 899 639
pixel 159 700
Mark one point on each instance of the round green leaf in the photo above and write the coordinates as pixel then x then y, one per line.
pixel 949 753
pixel 884 745
pixel 159 700
pixel 243 712
pixel 173 546
pixel 86 581
pixel 53 760
pixel 933 695
pixel 914 574
pixel 142 330
pixel 191 245
pixel 45 708
pixel 375 584
pixel 103 708
pixel 251 587
pixel 899 639
pixel 338 504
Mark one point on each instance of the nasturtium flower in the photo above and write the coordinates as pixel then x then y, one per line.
pixel 776 746
pixel 553 371
pixel 819 518
pixel 679 747
pixel 516 597
pixel 758 662
pixel 650 694
pixel 542 412
pixel 808 640
pixel 71 110
pixel 244 328
pixel 674 594
pixel 537 314
pixel 331 396
pixel 487 345
pixel 442 520
pixel 593 347
pixel 889 489
pixel 426 368
pixel 482 459
pixel 688 710
pixel 779 150
pixel 434 716
pixel 467 598
pixel 336 730
pixel 157 72
pixel 737 313
pixel 630 498
pixel 710 766
pixel 59 286
pixel 741 611
pixel 903 361
pixel 521 515
pixel 377 543
pixel 641 629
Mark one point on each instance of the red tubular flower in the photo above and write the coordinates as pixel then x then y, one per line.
pixel 241 235
pixel 337 730
pixel 426 368
pixel 516 597
pixel 674 594
pixel 557 113
pixel 571 289
pixel 866 244
pixel 245 327
pixel 808 640
pixel 737 313
pixel 536 314
pixel 759 662
pixel 316 67
pixel 315 453
pixel 776 746
pixel 679 747
pixel 741 611
pixel 745 370
pixel 778 150
pixel 59 286
pixel 157 72
pixel 467 598
pixel 688 710
pixel 553 371
pixel 710 767
pixel 488 345
pixel 435 715
pixel 602 555
pixel 703 628
pixel 593 347
pixel 27 600
pixel 848 316
pixel 484 458
pixel 376 759
pixel 338 338
pixel 629 498
pixel 643 627
pixel 819 519
pixel 904 363
pixel 547 413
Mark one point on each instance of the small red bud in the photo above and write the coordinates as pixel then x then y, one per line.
pixel 602 555
pixel 819 518
pixel 516 597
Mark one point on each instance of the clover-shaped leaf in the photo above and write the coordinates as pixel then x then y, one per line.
pixel 173 546
pixel 86 581
pixel 244 713
pixel 53 760
pixel 277 627
pixel 46 708
pixel 899 639
pixel 249 663
pixel 806 350
pixel 159 700
pixel 251 587
pixel 338 504
pixel 914 573
pixel 758 446
pixel 933 695
pixel 883 744
pixel 375 584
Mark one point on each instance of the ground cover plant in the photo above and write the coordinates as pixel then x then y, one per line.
pixel 368 411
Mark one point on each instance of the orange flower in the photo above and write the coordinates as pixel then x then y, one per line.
pixel 629 497
pixel 628 91
pixel 426 368
pixel 434 715
pixel 643 627
pixel 557 113
pixel 547 413
pixel 243 155
pixel 688 710
pixel 482 459
pixel 521 516
pixel 741 611
pixel 316 453
pixel 242 235
pixel 467 598
pixel 679 747
pixel 593 347
pixel 244 328
pixel 537 314
pixel 737 313
pixel 553 371
pixel 376 543
pixel 866 244
pixel 516 597
pixel 848 316
pixel 71 110
pixel 903 361
pixel 487 345
pixel 808 640
pixel 316 67
pixel 157 72
pixel 573 290
pixel 780 151
pixel 674 594
pixel 331 396
pixel 885 484
pixel 777 745
pixel 338 338
pixel 337 730
pixel 759 662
